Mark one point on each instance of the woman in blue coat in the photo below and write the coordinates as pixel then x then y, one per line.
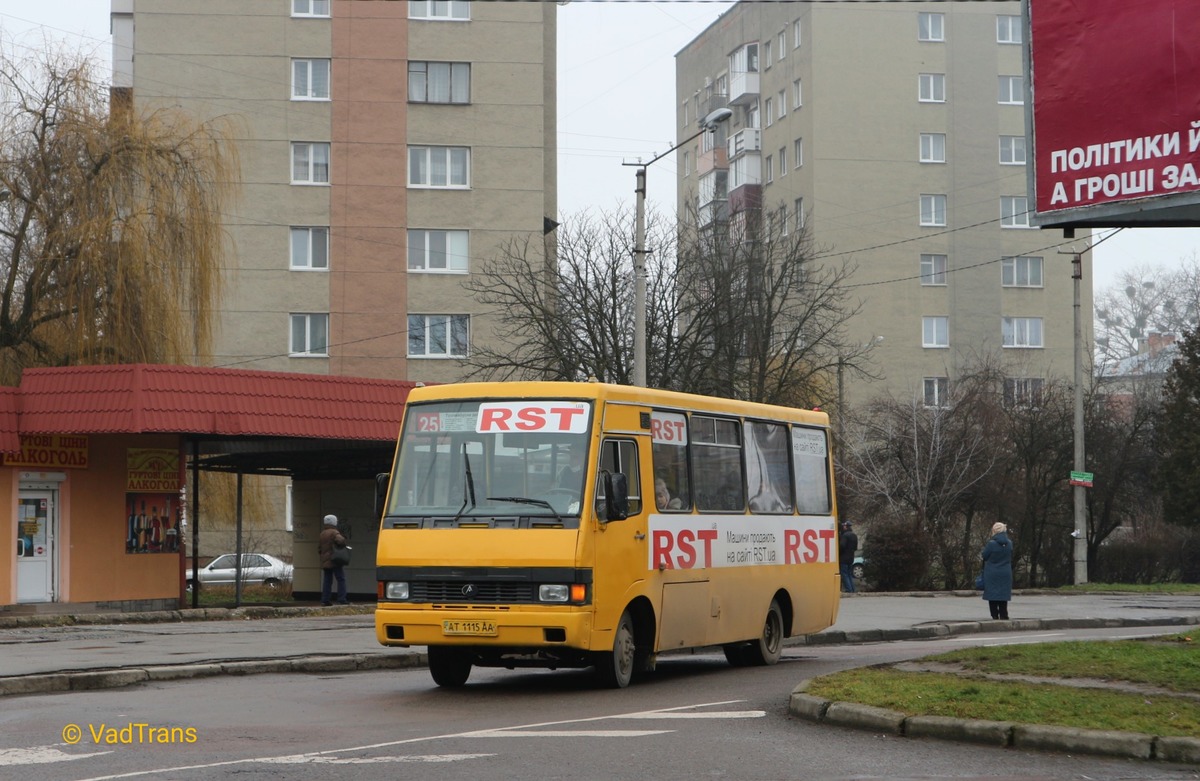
pixel 997 572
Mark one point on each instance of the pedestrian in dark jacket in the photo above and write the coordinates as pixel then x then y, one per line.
pixel 330 538
pixel 847 547
pixel 997 572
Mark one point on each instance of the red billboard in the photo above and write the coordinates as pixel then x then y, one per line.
pixel 1115 119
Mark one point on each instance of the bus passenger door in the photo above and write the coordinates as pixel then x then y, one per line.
pixel 621 552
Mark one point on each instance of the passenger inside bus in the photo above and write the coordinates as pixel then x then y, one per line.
pixel 662 496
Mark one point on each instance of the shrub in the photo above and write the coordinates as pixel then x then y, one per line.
pixel 898 554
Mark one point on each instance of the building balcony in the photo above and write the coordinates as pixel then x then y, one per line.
pixel 745 140
pixel 743 88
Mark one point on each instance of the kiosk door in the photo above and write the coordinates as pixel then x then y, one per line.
pixel 35 546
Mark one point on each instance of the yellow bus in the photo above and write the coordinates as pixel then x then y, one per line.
pixel 570 525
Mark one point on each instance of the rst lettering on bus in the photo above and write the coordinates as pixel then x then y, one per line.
pixel 544 524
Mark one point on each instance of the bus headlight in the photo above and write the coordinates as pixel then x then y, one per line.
pixel 575 593
pixel 554 592
pixel 395 590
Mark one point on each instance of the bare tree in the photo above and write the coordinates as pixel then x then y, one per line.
pixel 905 460
pixel 774 318
pixel 1144 300
pixel 754 320
pixel 110 222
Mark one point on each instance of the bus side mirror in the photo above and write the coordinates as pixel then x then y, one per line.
pixel 381 487
pixel 616 496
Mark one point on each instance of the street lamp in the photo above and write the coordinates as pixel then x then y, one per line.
pixel 709 122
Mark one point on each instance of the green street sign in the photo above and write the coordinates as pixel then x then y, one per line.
pixel 1081 478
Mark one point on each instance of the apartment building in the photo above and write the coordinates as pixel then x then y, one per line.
pixel 386 149
pixel 895 133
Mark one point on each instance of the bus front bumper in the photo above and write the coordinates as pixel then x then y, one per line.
pixel 528 627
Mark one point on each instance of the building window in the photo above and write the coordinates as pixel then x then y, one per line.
pixel 687 162
pixel 798 152
pixel 1012 90
pixel 797 94
pixel 931 87
pixel 768 106
pixel 1021 332
pixel 310 7
pixel 1008 29
pixel 438 336
pixel 933 147
pixel 310 249
pixel 1012 150
pixel 782 44
pixel 935 331
pixel 1014 211
pixel 766 53
pixel 310 335
pixel 1023 391
pixel 933 269
pixel 439 166
pixel 439 9
pixel 1021 271
pixel 931 27
pixel 937 391
pixel 797 33
pixel 437 250
pixel 770 169
pixel 933 210
pixel 783 161
pixel 799 214
pixel 310 163
pixel 310 79
pixel 782 100
pixel 439 82
pixel 752 115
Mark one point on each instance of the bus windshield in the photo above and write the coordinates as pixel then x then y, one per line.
pixel 475 460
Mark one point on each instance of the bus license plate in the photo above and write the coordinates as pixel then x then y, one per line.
pixel 477 628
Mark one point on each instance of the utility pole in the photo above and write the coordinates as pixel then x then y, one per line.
pixel 1078 488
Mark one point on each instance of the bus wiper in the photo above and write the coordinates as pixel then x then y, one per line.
pixel 468 486
pixel 527 500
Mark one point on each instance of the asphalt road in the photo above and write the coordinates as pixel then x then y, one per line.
pixel 694 718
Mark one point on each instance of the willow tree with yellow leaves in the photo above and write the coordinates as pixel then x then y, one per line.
pixel 111 233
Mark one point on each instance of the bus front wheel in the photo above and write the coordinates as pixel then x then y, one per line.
pixel 615 668
pixel 450 667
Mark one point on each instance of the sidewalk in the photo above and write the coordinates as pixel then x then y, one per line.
pixel 59 653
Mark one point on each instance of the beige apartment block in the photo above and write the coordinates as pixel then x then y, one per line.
pixel 387 149
pixel 895 132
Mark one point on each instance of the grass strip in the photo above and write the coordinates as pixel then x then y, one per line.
pixel 1169 663
pixel 938 694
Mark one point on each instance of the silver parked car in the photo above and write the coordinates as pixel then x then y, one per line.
pixel 257 568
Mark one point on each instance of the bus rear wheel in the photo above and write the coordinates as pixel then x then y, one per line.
pixel 615 668
pixel 769 647
pixel 450 667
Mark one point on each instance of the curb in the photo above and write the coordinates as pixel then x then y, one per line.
pixel 1123 745
pixel 91 680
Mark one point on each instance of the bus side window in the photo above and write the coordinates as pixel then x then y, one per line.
pixel 620 455
pixel 811 462
pixel 669 457
pixel 716 451
pixel 768 473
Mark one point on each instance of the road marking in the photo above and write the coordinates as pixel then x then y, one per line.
pixel 285 758
pixel 41 755
pixel 314 759
pixel 716 714
pixel 566 733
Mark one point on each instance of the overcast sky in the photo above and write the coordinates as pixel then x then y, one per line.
pixel 616 87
